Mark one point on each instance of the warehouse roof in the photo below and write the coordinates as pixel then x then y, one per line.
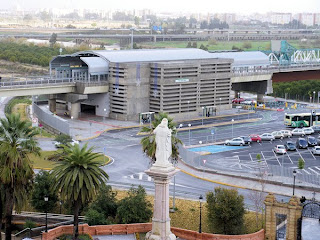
pixel 242 59
pixel 149 55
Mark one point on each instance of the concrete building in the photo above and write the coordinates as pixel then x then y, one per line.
pixel 281 18
pixel 306 18
pixel 181 82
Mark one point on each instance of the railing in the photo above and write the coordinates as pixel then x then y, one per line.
pixel 15 82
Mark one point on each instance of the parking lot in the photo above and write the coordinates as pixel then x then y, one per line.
pixel 245 158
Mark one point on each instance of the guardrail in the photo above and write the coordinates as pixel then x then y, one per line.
pixel 42 81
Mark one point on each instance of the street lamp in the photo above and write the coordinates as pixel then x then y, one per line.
pixel 202 114
pixel 188 110
pixel 104 115
pixel 46 199
pixel 174 180
pixel 314 96
pixel 200 142
pixel 238 94
pixel 189 125
pixel 132 29
pixel 232 126
pixel 310 99
pixel 294 180
pixel 200 199
pixel 220 106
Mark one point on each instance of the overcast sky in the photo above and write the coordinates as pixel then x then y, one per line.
pixel 230 6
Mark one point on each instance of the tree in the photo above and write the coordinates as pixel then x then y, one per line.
pixel 225 211
pixel 94 217
pixel 41 189
pixel 247 45
pixel 53 39
pixel 105 204
pixel 134 208
pixel 300 163
pixel 149 143
pixel 136 20
pixel 194 45
pixel 78 178
pixel 16 143
pixel 189 45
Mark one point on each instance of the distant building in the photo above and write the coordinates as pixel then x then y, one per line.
pixel 281 18
pixel 226 17
pixel 306 18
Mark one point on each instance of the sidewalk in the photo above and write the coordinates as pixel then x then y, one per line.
pixel 244 182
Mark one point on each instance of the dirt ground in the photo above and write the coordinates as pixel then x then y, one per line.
pixel 9 69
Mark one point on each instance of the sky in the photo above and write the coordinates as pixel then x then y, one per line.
pixel 213 6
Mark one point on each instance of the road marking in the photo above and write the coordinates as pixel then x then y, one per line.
pixel 250 157
pixel 312 155
pixel 306 171
pixel 140 176
pixel 276 158
pixel 289 158
pixel 313 171
pixel 317 168
pixel 300 155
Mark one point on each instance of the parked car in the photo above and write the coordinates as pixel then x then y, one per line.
pixel 286 133
pixel 267 137
pixel 237 100
pixel 316 150
pixel 312 141
pixel 246 139
pixel 72 143
pixel 301 143
pixel 308 130
pixel 298 132
pixel 280 149
pixel 277 135
pixel 290 146
pixel 280 109
pixel 235 142
pixel 255 138
pixel 316 128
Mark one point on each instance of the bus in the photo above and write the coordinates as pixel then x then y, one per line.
pixel 301 119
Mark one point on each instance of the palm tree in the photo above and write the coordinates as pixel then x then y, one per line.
pixel 78 178
pixel 16 173
pixel 149 143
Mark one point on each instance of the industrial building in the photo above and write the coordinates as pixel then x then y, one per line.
pixel 182 82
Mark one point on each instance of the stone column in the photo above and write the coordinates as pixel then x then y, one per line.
pixel 295 211
pixel 161 219
pixel 75 109
pixel 52 105
pixel 260 97
pixel 270 217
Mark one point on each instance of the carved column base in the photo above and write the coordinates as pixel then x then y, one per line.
pixel 161 219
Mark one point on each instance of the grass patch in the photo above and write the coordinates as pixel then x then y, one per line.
pixel 42 162
pixel 14 101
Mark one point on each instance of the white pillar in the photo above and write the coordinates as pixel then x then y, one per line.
pixel 161 219
pixel 75 109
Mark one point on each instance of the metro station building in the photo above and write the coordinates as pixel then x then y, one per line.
pixel 182 82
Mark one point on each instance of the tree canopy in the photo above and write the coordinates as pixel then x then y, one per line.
pixel 225 211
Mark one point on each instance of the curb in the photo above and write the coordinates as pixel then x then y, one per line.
pixel 272 182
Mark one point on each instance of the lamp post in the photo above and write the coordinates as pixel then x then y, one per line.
pixel 310 99
pixel 200 199
pixel 174 180
pixel 294 181
pixel 232 120
pixel 104 115
pixel 46 199
pixel 189 125
pixel 314 96
pixel 202 114
pixel 220 106
pixel 132 29
pixel 200 143
pixel 188 110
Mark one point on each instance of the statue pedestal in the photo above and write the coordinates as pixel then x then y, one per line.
pixel 161 219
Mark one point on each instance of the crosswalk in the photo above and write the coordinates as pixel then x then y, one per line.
pixel 139 176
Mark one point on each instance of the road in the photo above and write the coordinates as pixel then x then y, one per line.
pixel 129 164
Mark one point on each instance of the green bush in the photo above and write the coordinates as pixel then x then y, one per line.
pixel 93 217
pixel 29 224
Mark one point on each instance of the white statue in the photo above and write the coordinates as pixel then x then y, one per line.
pixel 163 141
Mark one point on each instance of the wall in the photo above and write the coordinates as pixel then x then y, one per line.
pixel 101 102
pixel 52 122
pixel 295 76
pixel 145 227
